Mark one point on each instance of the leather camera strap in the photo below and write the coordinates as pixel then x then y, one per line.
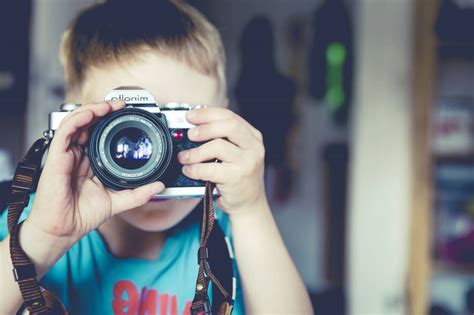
pixel 35 299
pixel 42 302
pixel 201 304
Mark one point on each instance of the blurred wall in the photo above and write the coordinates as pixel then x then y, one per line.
pixel 49 20
pixel 11 149
pixel 301 220
pixel 380 177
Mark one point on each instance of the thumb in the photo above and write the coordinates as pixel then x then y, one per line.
pixel 131 198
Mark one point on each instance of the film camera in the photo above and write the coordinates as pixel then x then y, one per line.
pixel 139 144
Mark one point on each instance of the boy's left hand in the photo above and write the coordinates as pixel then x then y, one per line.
pixel 239 147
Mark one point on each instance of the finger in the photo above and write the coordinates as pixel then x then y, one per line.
pixel 83 137
pixel 81 174
pixel 215 149
pixel 218 173
pixel 81 117
pixel 131 198
pixel 83 167
pixel 78 155
pixel 63 135
pixel 102 108
pixel 207 115
pixel 211 114
pixel 98 110
pixel 232 129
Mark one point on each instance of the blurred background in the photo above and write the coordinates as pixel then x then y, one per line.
pixel 367 110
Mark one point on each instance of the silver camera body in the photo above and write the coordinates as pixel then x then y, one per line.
pixel 139 144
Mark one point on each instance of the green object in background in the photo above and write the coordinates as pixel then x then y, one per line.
pixel 335 58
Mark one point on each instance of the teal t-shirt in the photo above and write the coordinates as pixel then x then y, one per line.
pixel 90 280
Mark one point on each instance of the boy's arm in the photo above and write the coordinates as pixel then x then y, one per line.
pixel 69 202
pixel 271 283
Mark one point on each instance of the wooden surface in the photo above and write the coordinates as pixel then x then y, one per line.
pixel 424 70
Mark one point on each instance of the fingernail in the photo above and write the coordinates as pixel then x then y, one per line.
pixel 193 132
pixel 184 155
pixel 191 114
pixel 185 169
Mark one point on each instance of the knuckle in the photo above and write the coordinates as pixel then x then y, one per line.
pixel 197 171
pixel 254 165
pixel 206 171
pixel 261 152
pixel 195 154
pixel 233 123
pixel 203 130
pixel 256 160
pixel 85 107
pixel 249 166
pixel 218 143
pixel 194 170
pixel 65 124
pixel 225 111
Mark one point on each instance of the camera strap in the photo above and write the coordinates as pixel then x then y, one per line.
pixel 39 301
pixel 224 304
pixel 35 299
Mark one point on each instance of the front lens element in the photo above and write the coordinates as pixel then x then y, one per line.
pixel 131 148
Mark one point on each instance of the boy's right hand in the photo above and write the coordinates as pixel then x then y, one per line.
pixel 70 200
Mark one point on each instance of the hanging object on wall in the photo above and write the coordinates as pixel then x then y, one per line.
pixel 265 97
pixel 331 58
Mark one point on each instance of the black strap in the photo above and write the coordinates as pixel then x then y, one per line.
pixel 220 261
pixel 201 304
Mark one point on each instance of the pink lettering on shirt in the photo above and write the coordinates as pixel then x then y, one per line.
pixel 128 301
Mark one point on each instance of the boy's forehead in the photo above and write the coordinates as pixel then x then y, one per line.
pixel 168 81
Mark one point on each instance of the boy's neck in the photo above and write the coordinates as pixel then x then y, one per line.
pixel 126 241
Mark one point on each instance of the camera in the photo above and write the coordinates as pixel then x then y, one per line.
pixel 139 144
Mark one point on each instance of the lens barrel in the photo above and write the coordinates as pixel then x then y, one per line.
pixel 130 148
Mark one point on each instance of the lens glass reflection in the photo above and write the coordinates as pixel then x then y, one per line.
pixel 131 148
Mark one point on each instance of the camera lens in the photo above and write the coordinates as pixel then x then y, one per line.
pixel 130 148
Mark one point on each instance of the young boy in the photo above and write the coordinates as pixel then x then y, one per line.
pixel 112 252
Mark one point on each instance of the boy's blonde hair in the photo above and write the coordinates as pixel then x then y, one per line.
pixel 115 31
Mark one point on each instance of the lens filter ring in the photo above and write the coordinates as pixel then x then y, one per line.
pixel 130 148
